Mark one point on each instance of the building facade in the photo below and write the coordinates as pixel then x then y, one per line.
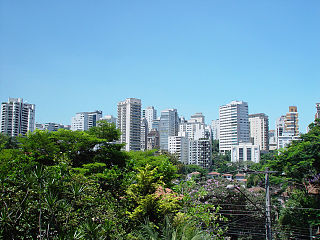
pixel 215 126
pixel 153 139
pixel 150 114
pixel 168 126
pixel 144 133
pixel 179 145
pixel 83 121
pixel 51 127
pixel 245 152
pixel 129 123
pixel 197 117
pixel 110 119
pixel 318 111
pixel 291 121
pixel 272 140
pixel 17 117
pixel 234 125
pixel 200 152
pixel 259 130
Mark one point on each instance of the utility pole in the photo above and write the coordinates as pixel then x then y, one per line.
pixel 268 207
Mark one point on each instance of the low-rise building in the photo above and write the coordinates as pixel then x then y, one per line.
pixel 245 152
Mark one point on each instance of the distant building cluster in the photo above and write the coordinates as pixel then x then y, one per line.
pixel 241 135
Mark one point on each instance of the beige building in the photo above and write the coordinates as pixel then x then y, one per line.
pixel 291 121
pixel 259 130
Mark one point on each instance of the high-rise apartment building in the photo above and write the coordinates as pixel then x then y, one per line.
pixel 200 152
pixel 291 121
pixel 234 125
pixel 287 128
pixel 168 126
pixel 17 117
pixel 215 126
pixel 318 111
pixel 179 145
pixel 85 120
pixel 259 130
pixel 150 114
pixel 144 133
pixel 129 123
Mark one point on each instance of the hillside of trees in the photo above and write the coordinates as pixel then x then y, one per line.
pixel 81 185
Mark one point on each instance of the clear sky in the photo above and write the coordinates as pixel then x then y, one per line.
pixel 68 56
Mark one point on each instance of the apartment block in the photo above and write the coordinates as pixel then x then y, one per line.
pixel 144 134
pixel 83 121
pixel 150 114
pixel 259 130
pixel 129 123
pixel 234 125
pixel 291 121
pixel 17 117
pixel 179 145
pixel 245 152
pixel 215 126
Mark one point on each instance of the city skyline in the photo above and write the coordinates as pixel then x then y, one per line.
pixel 69 57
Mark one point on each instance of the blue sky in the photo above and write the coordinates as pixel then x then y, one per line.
pixel 76 55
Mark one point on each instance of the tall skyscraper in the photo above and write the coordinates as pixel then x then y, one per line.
pixel 150 114
pixel 291 121
pixel 17 117
pixel 259 130
pixel 318 111
pixel 129 123
pixel 168 126
pixel 234 125
pixel 85 120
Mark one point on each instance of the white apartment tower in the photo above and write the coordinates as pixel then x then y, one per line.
pixel 129 123
pixel 150 114
pixel 83 121
pixel 179 145
pixel 259 130
pixel 234 125
pixel 17 117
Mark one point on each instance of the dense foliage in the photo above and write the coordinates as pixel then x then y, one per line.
pixel 81 185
